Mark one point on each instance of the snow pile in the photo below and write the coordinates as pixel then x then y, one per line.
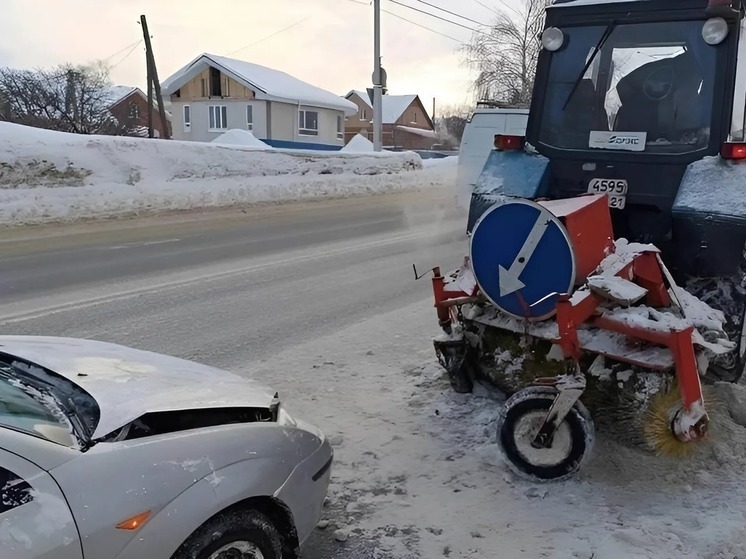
pixel 238 137
pixel 358 144
pixel 450 161
pixel 51 176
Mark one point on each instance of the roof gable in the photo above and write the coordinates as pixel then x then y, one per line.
pixel 267 83
pixel 394 106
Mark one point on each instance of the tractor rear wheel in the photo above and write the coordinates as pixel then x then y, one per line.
pixel 572 443
pixel 728 295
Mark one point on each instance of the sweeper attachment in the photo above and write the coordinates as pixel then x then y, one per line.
pixel 548 280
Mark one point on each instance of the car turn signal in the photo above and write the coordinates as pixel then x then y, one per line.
pixel 135 522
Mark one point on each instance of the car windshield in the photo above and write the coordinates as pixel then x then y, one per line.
pixel 25 409
pixel 649 89
pixel 41 403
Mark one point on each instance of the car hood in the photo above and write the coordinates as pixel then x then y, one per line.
pixel 128 383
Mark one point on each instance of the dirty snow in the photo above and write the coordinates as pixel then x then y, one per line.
pixel 238 137
pixel 417 471
pixel 52 176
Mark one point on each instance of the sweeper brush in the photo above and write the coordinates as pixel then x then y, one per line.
pixel 548 293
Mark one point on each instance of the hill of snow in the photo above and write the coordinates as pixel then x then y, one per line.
pixel 238 137
pixel 52 176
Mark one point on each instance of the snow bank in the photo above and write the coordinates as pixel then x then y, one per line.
pixel 238 137
pixel 450 161
pixel 358 144
pixel 51 176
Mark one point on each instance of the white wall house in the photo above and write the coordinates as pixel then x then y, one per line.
pixel 213 94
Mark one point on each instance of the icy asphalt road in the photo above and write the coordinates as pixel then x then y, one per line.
pixel 232 288
pixel 227 287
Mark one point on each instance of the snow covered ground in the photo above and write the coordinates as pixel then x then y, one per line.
pixel 418 472
pixel 52 176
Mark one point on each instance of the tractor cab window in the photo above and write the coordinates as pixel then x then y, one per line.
pixel 647 87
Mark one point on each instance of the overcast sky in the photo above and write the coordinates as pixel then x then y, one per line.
pixel 331 47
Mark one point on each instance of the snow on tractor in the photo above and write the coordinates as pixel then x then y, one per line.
pixel 605 272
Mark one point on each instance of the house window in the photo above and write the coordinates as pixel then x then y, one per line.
pixel 187 118
pixel 363 115
pixel 308 123
pixel 415 117
pixel 340 128
pixel 218 117
pixel 134 112
pixel 203 82
pixel 249 117
pixel 216 89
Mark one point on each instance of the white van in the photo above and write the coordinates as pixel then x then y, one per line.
pixel 478 140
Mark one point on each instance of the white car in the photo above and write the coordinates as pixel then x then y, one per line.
pixel 110 452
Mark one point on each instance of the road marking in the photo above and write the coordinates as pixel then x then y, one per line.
pixel 144 244
pixel 510 279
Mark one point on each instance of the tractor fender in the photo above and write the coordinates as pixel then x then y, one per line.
pixel 517 174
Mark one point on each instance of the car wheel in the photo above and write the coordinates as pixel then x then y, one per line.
pixel 238 534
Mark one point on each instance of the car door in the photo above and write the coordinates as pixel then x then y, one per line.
pixel 35 520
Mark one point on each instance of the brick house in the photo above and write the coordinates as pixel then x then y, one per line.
pixel 129 105
pixel 406 124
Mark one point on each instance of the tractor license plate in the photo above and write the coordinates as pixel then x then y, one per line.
pixel 616 189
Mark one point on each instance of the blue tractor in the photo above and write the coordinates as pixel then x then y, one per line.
pixel 642 101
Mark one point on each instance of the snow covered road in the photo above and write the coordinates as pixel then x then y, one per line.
pixel 319 301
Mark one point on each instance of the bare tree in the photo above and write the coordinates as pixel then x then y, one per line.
pixel 451 123
pixel 67 98
pixel 505 57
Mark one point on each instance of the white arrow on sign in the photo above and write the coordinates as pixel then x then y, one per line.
pixel 510 279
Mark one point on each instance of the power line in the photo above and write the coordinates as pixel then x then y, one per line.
pixel 124 49
pixel 412 22
pixel 449 12
pixel 271 35
pixel 438 17
pixel 126 56
pixel 422 26
pixel 493 10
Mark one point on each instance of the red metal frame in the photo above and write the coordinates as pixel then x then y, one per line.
pixel 644 269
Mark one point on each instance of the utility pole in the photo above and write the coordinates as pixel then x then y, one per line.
pixel 153 83
pixel 377 78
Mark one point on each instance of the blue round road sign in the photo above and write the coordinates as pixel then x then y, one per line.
pixel 521 254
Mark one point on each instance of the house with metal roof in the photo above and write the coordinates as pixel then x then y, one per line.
pixel 406 124
pixel 213 94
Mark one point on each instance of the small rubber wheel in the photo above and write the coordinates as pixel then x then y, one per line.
pixel 237 534
pixel 572 443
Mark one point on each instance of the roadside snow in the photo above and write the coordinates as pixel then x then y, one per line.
pixel 52 176
pixel 238 137
pixel 358 144
pixel 450 161
pixel 417 471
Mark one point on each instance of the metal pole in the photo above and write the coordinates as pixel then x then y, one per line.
pixel 377 85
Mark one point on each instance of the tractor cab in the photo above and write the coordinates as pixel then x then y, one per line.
pixel 638 99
